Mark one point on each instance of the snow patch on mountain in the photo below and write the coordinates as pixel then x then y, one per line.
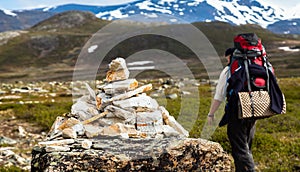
pixel 149 6
pixel 118 14
pixel 49 8
pixel 163 2
pixel 9 12
pixel 110 15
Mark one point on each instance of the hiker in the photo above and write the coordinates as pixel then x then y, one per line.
pixel 248 73
pixel 240 132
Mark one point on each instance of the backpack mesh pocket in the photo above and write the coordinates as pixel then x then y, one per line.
pixel 257 107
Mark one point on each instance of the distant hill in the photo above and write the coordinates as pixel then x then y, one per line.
pixel 53 44
pixel 49 49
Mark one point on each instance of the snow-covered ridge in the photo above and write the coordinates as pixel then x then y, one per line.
pixel 235 11
pixel 254 13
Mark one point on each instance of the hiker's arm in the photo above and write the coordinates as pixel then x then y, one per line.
pixel 214 107
pixel 219 94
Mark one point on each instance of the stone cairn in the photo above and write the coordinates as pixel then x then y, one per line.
pixel 120 128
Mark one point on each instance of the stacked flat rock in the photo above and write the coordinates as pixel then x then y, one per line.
pixel 120 107
pixel 120 128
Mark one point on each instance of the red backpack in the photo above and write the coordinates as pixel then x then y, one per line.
pixel 249 49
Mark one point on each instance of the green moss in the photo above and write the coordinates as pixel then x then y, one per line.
pixel 43 114
pixel 11 169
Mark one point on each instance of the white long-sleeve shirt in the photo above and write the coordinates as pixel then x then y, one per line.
pixel 221 87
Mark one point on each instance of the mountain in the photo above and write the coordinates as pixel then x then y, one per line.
pixel 231 11
pixel 18 20
pixel 291 26
pixel 49 50
pixel 235 12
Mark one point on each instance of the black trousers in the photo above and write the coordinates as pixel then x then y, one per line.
pixel 241 133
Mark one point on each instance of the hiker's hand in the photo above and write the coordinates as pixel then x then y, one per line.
pixel 210 118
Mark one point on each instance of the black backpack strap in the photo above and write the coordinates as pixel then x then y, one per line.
pixel 246 63
pixel 265 61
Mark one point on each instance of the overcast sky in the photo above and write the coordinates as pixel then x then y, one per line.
pixel 25 4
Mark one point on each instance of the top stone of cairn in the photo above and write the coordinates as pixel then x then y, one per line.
pixel 117 70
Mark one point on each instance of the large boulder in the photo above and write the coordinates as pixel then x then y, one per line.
pixel 114 154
